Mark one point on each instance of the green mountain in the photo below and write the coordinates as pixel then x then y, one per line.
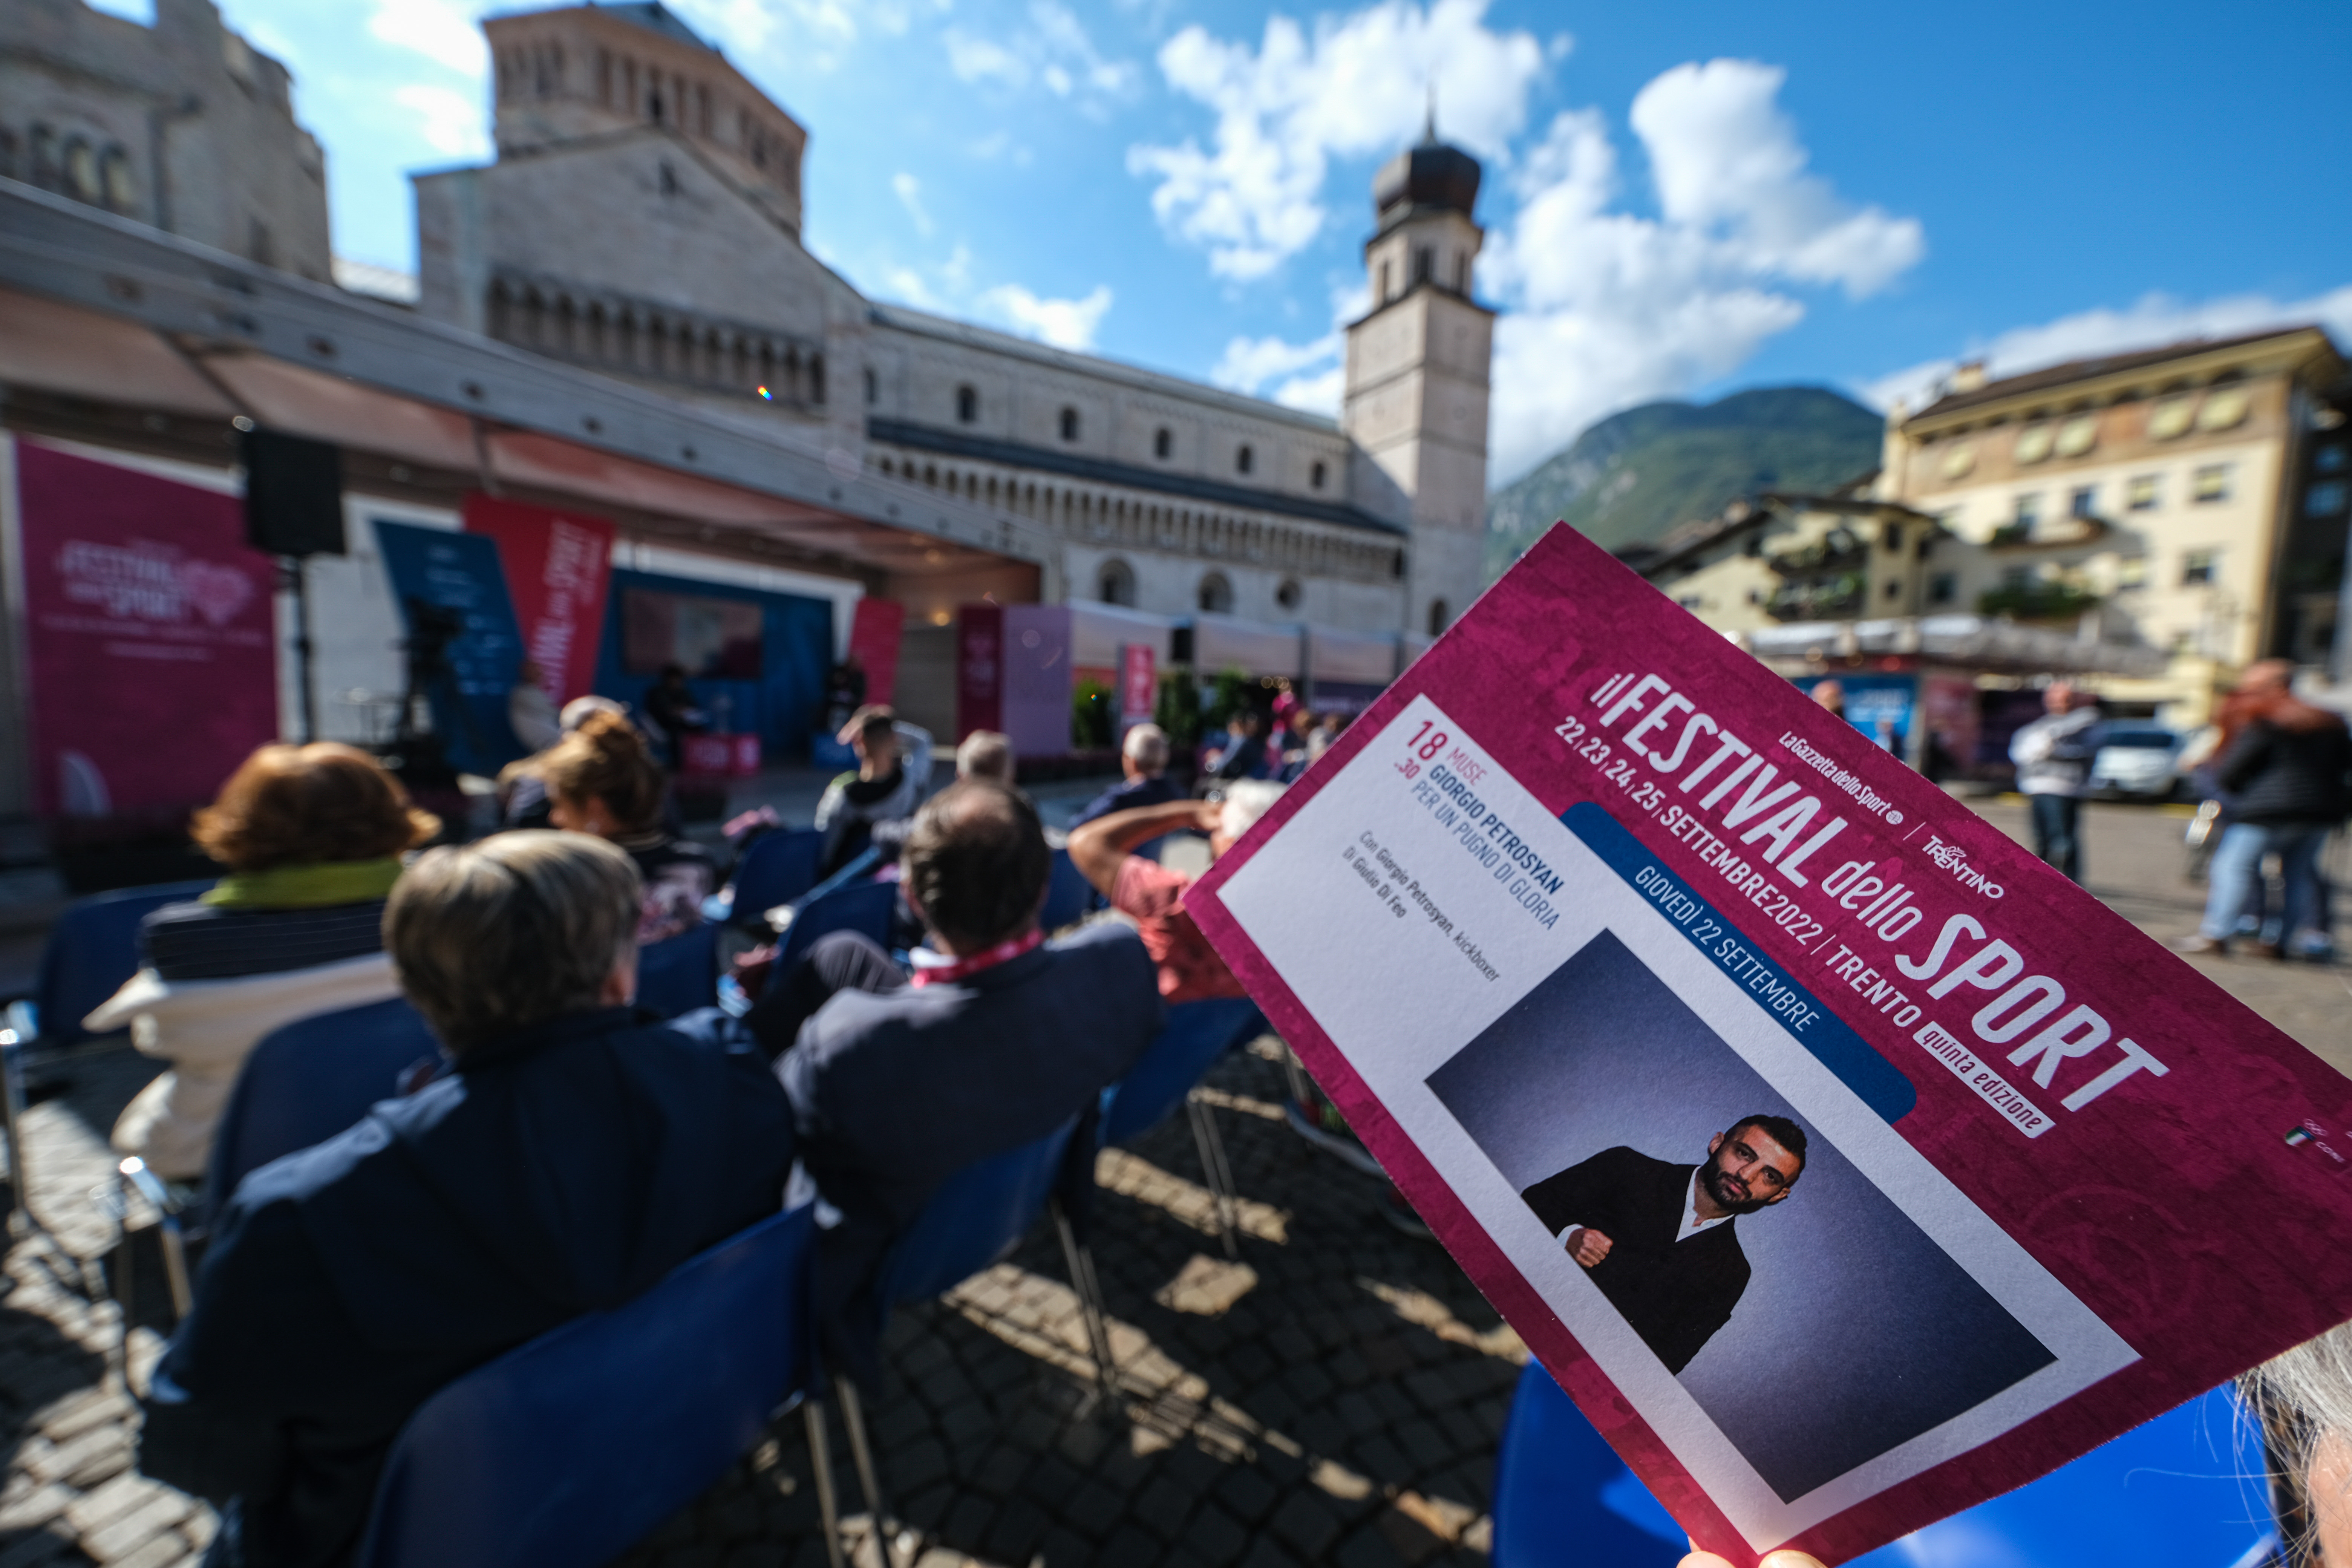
pixel 1636 476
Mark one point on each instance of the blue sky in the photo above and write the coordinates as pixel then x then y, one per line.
pixel 1680 200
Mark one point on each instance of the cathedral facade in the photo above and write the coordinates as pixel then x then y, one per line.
pixel 644 218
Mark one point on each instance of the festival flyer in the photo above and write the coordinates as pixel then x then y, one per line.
pixel 1847 1166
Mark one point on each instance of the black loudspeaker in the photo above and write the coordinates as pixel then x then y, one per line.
pixel 293 495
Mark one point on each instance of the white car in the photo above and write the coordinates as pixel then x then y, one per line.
pixel 2138 760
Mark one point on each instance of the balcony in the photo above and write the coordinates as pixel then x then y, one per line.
pixel 1819 599
pixel 2037 601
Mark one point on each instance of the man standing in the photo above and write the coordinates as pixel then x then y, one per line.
pixel 1658 1237
pixel 2053 766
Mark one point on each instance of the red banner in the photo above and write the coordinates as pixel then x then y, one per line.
pixel 979 669
pixel 1138 683
pixel 150 637
pixel 558 565
pixel 873 630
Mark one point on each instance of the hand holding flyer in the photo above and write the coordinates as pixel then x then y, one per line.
pixel 1844 1164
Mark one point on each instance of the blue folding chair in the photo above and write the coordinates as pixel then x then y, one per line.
pixel 566 1451
pixel 1068 895
pixel 2171 1491
pixel 861 906
pixel 679 973
pixel 310 1079
pixel 1196 1035
pixel 778 869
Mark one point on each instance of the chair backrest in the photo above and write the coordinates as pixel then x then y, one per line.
pixel 310 1079
pixel 1068 895
pixel 977 1217
pixel 861 906
pixel 566 1451
pixel 2171 1491
pixel 778 868
pixel 92 949
pixel 1196 1034
pixel 679 973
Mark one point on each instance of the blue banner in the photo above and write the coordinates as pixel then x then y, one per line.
pixel 452 591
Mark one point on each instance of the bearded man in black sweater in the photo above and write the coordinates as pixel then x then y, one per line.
pixel 1659 1238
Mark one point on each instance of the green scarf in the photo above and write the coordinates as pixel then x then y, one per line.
pixel 307 887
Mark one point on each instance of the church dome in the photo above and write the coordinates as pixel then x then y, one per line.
pixel 1431 175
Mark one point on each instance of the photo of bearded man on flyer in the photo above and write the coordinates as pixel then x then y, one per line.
pixel 1659 1238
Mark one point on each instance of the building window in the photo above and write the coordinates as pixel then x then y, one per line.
pixel 2132 572
pixel 2033 443
pixel 2084 503
pixel 2213 483
pixel 1893 588
pixel 1384 283
pixel 1243 460
pixel 2326 500
pixel 873 386
pixel 1216 595
pixel 1163 442
pixel 1317 475
pixel 2141 493
pixel 1069 424
pixel 2028 513
pixel 1425 261
pixel 1943 587
pixel 1892 538
pixel 1117 584
pixel 1692 601
pixel 2170 419
pixel 2328 459
pixel 1462 273
pixel 1437 617
pixel 2197 567
pixel 1288 594
pixel 967 404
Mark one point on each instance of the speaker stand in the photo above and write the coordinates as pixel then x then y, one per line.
pixel 298 577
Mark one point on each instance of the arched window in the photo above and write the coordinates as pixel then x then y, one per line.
pixel 1216 594
pixel 1436 616
pixel 81 170
pixel 1289 594
pixel 1424 262
pixel 1117 583
pixel 1317 475
pixel 1244 460
pixel 1384 283
pixel 1163 442
pixel 115 178
pixel 1070 427
pixel 1462 273
pixel 872 385
pixel 967 404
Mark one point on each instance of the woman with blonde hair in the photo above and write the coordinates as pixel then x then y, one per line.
pixel 311 837
pixel 602 780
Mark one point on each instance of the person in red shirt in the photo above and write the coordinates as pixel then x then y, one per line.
pixel 1152 895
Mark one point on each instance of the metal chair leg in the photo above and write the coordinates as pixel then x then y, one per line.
pixel 169 1231
pixel 1216 1171
pixel 869 1479
pixel 828 1504
pixel 1080 1262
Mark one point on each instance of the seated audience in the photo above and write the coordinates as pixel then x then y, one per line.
pixel 985 754
pixel 1153 896
pixel 531 712
pixel 568 1158
pixel 600 780
pixel 1298 743
pixel 998 1038
pixel 520 788
pixel 1242 754
pixel 313 837
pixel 1143 762
pixel 893 774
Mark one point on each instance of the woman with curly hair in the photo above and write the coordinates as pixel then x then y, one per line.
pixel 601 779
pixel 311 837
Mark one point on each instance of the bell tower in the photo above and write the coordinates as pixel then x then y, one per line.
pixel 1419 365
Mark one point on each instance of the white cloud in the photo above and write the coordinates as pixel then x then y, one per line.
pixel 1358 86
pixel 910 196
pixel 1727 162
pixel 1053 49
pixel 1063 323
pixel 451 122
pixel 443 31
pixel 2155 321
pixel 1604 307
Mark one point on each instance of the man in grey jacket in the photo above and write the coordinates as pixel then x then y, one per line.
pixel 2053 768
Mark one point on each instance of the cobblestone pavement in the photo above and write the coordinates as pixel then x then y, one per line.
pixel 1334 1397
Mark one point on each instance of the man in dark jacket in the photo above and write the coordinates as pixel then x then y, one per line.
pixel 1658 1237
pixel 2286 768
pixel 568 1158
pixel 998 1039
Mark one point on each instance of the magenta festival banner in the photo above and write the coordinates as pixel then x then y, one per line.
pixel 1847 1166
pixel 150 638
pixel 558 568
